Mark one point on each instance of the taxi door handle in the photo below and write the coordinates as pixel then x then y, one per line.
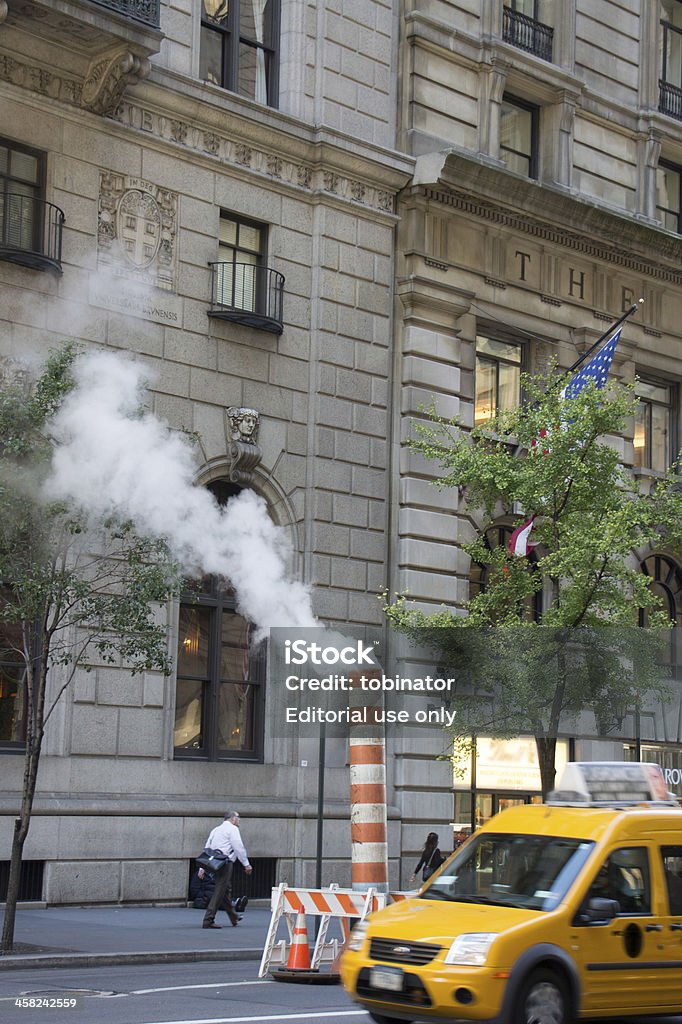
pixel 653 928
pixel 676 927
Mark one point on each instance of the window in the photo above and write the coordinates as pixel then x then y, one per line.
pixel 670 99
pixel 672 866
pixel 671 42
pixel 624 876
pixel 521 28
pixel 518 136
pixel 238 47
pixel 30 228
pixel 668 206
pixel 241 259
pixel 244 289
pixel 220 674
pixel 498 377
pixel 12 689
pixel 654 434
pixel 21 177
pixel 666 584
pixel 498 535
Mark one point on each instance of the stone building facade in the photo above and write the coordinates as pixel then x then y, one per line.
pixel 212 192
pixel 544 203
pixel 308 220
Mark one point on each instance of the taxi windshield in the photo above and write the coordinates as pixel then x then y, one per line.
pixel 525 871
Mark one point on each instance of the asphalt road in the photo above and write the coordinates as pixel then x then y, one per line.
pixel 205 993
pixel 160 994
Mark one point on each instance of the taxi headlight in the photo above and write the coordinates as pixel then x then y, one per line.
pixel 470 949
pixel 357 936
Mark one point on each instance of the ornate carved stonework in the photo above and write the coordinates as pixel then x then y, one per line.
pixel 242 424
pixel 107 77
pixel 137 230
pixel 241 432
pixel 14 372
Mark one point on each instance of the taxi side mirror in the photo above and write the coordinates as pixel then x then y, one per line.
pixel 599 911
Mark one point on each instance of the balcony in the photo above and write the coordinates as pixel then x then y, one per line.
pixel 527 34
pixel 670 99
pixel 31 232
pixel 247 294
pixel 148 12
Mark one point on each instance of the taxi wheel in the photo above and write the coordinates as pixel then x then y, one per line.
pixel 543 1000
pixel 379 1018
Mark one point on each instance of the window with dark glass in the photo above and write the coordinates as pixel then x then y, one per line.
pixel 498 536
pixel 239 47
pixel 654 426
pixel 12 688
pixel 21 190
pixel 519 136
pixel 668 202
pixel 666 584
pixel 670 97
pixel 220 672
pixel 498 377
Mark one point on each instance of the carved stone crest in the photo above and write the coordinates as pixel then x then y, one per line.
pixel 13 372
pixel 241 432
pixel 137 230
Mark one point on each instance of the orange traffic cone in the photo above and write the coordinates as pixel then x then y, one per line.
pixel 299 954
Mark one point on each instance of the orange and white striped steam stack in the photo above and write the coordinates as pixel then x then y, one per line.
pixel 367 753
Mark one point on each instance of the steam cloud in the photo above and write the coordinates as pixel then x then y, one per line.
pixel 111 459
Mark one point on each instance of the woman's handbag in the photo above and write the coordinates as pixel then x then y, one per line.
pixel 211 860
pixel 434 863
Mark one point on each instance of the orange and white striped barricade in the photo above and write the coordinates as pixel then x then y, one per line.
pixel 326 904
pixel 396 897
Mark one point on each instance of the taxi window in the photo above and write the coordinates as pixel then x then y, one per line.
pixel 672 866
pixel 624 877
pixel 533 872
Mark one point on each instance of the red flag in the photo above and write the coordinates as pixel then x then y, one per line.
pixel 518 542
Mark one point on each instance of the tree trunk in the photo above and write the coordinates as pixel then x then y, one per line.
pixel 546 747
pixel 38 645
pixel 21 826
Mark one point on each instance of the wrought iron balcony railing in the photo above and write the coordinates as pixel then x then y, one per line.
pixel 670 99
pixel 527 34
pixel 247 294
pixel 31 232
pixel 146 11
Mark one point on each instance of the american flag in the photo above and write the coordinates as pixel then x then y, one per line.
pixel 596 370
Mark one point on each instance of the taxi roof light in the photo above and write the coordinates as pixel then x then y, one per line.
pixel 612 784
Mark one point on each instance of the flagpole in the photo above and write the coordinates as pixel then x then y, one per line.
pixel 605 335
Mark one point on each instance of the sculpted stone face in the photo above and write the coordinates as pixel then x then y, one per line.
pixel 244 424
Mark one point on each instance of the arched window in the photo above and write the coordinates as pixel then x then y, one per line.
pixel 220 675
pixel 12 689
pixel 666 583
pixel 496 536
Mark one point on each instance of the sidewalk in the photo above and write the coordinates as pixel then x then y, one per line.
pixel 97 936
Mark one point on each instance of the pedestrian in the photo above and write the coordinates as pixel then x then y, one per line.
pixel 226 838
pixel 430 859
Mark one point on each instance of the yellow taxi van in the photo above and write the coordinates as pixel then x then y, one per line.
pixel 549 913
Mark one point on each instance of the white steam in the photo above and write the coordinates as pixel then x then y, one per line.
pixel 110 459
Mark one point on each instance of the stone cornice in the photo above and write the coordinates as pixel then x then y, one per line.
pixel 272 146
pixel 555 216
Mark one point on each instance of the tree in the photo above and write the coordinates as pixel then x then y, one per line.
pixel 520 669
pixel 70 589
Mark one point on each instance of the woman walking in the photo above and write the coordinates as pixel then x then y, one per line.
pixel 430 859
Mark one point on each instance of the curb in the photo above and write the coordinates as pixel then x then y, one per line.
pixel 21 962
